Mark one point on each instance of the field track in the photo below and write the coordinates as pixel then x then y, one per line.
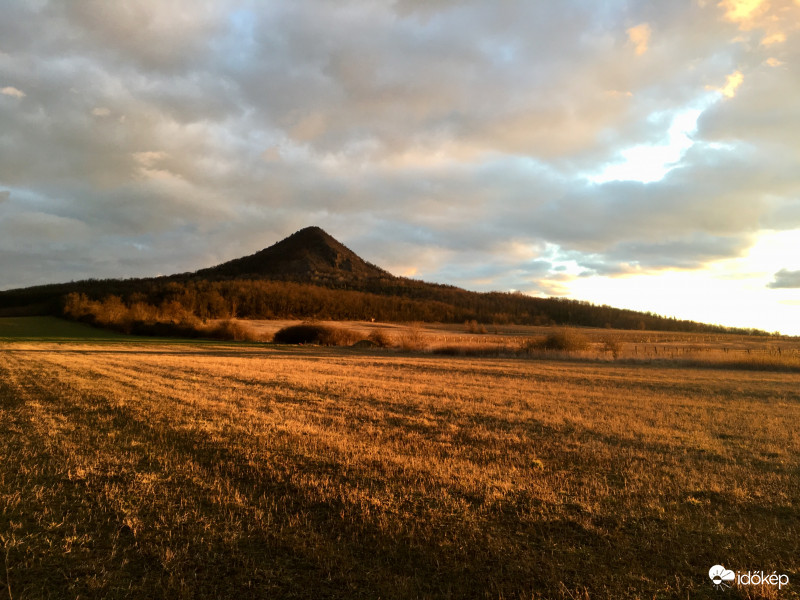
pixel 201 470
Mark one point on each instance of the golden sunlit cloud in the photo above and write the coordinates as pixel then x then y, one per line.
pixel 773 62
pixel 12 91
pixel 640 37
pixel 101 111
pixel 775 19
pixel 732 83
pixel 775 38
pixel 743 11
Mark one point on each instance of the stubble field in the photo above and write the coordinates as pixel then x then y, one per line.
pixel 199 470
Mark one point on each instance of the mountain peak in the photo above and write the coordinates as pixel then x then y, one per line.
pixel 311 230
pixel 311 235
pixel 309 255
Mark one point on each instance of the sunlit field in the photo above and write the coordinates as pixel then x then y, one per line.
pixel 152 469
pixel 606 345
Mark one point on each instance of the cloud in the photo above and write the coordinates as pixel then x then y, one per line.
pixel 639 36
pixel 732 82
pixel 687 252
pixel 775 38
pixel 428 135
pixel 768 21
pixel 785 279
pixel 12 91
pixel 744 12
pixel 4 196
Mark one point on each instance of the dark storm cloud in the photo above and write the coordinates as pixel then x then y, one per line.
pixel 448 139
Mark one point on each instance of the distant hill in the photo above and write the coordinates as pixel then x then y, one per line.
pixel 308 256
pixel 312 275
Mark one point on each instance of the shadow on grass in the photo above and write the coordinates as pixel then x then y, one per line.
pixel 169 512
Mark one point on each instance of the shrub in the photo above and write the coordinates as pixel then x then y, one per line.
pixel 564 340
pixel 364 344
pixel 380 338
pixel 339 336
pixel 164 329
pixel 474 327
pixel 411 339
pixel 315 333
pixel 231 330
pixel 612 345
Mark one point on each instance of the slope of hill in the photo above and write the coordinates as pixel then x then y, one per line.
pixel 311 275
pixel 307 256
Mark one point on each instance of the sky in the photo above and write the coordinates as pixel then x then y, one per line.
pixel 634 153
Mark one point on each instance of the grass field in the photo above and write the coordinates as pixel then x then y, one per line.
pixel 51 329
pixel 150 470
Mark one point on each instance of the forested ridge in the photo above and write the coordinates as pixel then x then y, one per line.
pixel 265 299
pixel 310 275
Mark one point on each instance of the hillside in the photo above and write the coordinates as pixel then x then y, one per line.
pixel 310 275
pixel 307 256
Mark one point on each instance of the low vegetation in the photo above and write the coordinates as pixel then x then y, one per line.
pixel 380 338
pixel 169 319
pixel 474 327
pixel 316 333
pixel 152 470
pixel 563 340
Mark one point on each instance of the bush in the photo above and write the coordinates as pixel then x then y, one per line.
pixel 163 329
pixel 612 345
pixel 411 339
pixel 474 327
pixel 380 338
pixel 315 333
pixel 564 340
pixel 231 330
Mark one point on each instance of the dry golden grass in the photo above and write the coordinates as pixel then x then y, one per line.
pixel 212 471
pixel 664 348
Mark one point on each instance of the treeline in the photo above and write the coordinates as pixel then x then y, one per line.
pixel 140 318
pixel 160 300
pixel 260 300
